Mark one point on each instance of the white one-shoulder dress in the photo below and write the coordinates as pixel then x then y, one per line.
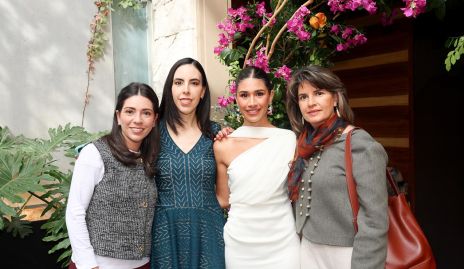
pixel 260 230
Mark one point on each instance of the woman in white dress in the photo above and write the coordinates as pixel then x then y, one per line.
pixel 252 167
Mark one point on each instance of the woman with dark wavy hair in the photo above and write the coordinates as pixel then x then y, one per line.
pixel 188 222
pixel 319 113
pixel 113 193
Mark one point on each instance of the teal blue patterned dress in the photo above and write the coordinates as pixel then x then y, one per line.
pixel 188 222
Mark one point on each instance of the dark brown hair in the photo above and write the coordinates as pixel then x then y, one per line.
pixel 168 109
pixel 254 72
pixel 150 144
pixel 320 78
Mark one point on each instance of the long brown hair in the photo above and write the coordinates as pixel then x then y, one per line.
pixel 168 109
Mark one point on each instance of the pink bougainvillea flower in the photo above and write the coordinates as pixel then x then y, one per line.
pixel 335 29
pixel 296 24
pixel 223 101
pixel 284 72
pixel 347 32
pixel 414 7
pixel 260 9
pixel 343 5
pixel 260 60
pixel 218 50
pixel 232 88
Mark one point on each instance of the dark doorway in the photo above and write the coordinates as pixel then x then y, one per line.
pixel 439 146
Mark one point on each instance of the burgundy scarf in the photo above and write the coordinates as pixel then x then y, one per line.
pixel 309 142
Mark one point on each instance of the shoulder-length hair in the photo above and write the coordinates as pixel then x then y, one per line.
pixel 320 78
pixel 150 144
pixel 168 109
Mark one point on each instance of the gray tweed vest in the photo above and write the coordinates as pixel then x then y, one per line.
pixel 120 213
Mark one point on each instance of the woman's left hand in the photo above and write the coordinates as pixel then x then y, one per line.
pixel 223 133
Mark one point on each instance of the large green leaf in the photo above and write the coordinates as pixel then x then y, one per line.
pixel 6 139
pixel 20 174
pixel 58 192
pixel 59 137
pixel 28 165
pixel 17 226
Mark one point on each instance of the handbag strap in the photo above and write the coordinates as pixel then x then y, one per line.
pixel 351 184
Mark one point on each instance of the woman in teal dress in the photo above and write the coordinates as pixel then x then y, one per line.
pixel 188 222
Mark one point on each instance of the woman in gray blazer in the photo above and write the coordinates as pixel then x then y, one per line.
pixel 319 113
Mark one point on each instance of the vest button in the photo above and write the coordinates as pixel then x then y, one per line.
pixel 144 204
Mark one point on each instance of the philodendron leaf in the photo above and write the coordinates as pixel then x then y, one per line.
pixel 64 244
pixel 19 175
pixel 6 139
pixel 18 227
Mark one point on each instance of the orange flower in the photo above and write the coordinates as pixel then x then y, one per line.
pixel 318 21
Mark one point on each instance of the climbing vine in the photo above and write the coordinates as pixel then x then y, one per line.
pixel 98 39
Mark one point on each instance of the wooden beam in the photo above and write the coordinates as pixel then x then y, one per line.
pixel 397 100
pixel 379 59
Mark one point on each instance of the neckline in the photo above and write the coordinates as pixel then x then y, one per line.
pixel 255 132
pixel 165 128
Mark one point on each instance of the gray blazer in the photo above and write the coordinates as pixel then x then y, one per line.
pixel 329 209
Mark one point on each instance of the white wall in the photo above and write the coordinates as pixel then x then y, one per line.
pixel 173 36
pixel 187 28
pixel 43 67
pixel 43 60
pixel 209 13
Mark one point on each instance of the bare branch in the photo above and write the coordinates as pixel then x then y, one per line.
pixel 253 43
pixel 281 31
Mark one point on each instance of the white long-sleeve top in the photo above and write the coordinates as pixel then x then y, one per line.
pixel 88 172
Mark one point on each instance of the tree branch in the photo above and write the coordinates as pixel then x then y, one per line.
pixel 281 31
pixel 253 43
pixel 42 199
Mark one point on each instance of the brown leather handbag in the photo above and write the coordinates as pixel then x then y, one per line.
pixel 407 244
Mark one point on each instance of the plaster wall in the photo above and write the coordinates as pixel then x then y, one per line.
pixel 43 60
pixel 43 68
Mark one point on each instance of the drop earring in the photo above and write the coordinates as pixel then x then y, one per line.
pixel 269 109
pixel 337 111
pixel 302 120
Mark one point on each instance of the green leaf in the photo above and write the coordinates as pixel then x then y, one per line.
pixel 6 139
pixel 440 11
pixel 225 55
pixel 452 59
pixel 55 237
pixel 447 64
pixel 20 174
pixel 64 255
pixel 27 165
pixel 64 244
pixel 18 227
pixel 277 93
pixel 6 209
